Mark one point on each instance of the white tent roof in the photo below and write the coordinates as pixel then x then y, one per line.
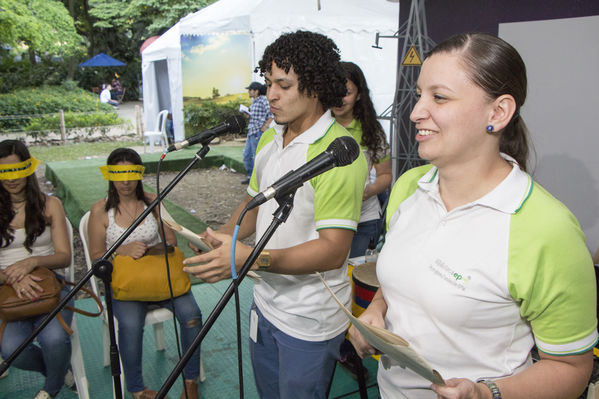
pixel 167 44
pixel 352 24
pixel 283 15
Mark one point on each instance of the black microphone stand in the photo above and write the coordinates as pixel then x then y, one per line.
pixel 279 216
pixel 102 267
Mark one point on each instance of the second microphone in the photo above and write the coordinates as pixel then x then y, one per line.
pixel 233 124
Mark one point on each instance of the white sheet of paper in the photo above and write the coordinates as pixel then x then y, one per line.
pixel 391 345
pixel 195 239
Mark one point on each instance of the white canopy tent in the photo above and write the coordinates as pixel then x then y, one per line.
pixel 352 24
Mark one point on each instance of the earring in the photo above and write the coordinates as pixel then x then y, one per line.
pixel 490 128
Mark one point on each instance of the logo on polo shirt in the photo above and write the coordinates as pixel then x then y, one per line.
pixel 453 277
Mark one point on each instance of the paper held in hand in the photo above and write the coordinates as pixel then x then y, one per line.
pixel 192 237
pixel 195 239
pixel 391 345
pixel 243 108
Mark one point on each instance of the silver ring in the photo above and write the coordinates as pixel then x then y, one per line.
pixel 22 291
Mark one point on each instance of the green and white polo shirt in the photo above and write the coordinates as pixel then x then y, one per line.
pixel 473 289
pixel 299 305
pixel 371 208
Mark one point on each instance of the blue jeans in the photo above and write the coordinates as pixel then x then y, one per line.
pixel 131 316
pixel 288 367
pixel 249 151
pixel 366 231
pixel 51 356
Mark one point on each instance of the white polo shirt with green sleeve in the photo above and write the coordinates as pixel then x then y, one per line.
pixel 473 289
pixel 299 305
pixel 371 208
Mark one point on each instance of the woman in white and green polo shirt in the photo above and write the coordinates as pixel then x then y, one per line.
pixel 480 262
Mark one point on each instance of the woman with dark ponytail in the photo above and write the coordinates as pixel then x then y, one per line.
pixel 358 116
pixel 480 263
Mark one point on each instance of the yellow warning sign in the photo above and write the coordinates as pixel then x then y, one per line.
pixel 411 58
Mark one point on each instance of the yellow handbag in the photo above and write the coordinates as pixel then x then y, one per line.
pixel 145 279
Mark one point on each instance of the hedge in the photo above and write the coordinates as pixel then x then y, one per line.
pixel 18 107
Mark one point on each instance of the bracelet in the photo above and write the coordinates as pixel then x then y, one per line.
pixel 495 394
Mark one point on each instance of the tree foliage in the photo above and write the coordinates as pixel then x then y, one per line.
pixel 43 26
pixel 142 18
pixel 68 27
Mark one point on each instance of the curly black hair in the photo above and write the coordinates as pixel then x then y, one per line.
pixel 35 221
pixel 314 58
pixel 373 135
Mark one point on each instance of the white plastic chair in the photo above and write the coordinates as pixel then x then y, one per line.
pixel 159 132
pixel 154 317
pixel 77 364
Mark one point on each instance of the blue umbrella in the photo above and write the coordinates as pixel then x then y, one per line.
pixel 102 60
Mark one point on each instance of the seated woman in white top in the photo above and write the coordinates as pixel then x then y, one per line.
pixel 109 218
pixel 33 233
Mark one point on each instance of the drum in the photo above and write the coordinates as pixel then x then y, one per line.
pixel 365 285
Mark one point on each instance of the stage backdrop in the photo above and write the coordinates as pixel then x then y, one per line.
pixel 215 66
pixel 561 57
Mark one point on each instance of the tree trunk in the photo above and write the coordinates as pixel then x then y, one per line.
pixel 71 68
pixel 90 34
pixel 31 56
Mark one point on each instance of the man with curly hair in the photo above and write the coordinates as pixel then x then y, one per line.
pixel 295 326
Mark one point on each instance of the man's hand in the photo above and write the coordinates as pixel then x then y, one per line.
pixel 208 241
pixel 216 265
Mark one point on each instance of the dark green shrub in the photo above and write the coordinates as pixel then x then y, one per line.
pixel 69 85
pixel 16 75
pixel 18 107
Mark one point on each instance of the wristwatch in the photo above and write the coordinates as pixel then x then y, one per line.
pixel 264 260
pixel 495 394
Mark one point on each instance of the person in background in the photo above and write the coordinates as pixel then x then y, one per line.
pixel 109 218
pixel 260 119
pixel 105 96
pixel 358 116
pixel 170 130
pixel 116 89
pixel 298 326
pixel 33 232
pixel 481 263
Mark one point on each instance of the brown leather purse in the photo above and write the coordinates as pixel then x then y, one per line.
pixel 13 308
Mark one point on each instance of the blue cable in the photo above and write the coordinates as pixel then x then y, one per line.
pixel 233 245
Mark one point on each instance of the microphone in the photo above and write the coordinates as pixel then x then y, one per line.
pixel 342 151
pixel 233 124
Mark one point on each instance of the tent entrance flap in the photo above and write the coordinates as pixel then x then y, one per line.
pixel 162 85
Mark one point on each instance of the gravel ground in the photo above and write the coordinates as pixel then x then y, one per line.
pixel 210 194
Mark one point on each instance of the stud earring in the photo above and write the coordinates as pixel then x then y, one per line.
pixel 490 128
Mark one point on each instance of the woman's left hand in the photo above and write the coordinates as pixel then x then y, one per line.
pixel 460 388
pixel 18 270
pixel 28 288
